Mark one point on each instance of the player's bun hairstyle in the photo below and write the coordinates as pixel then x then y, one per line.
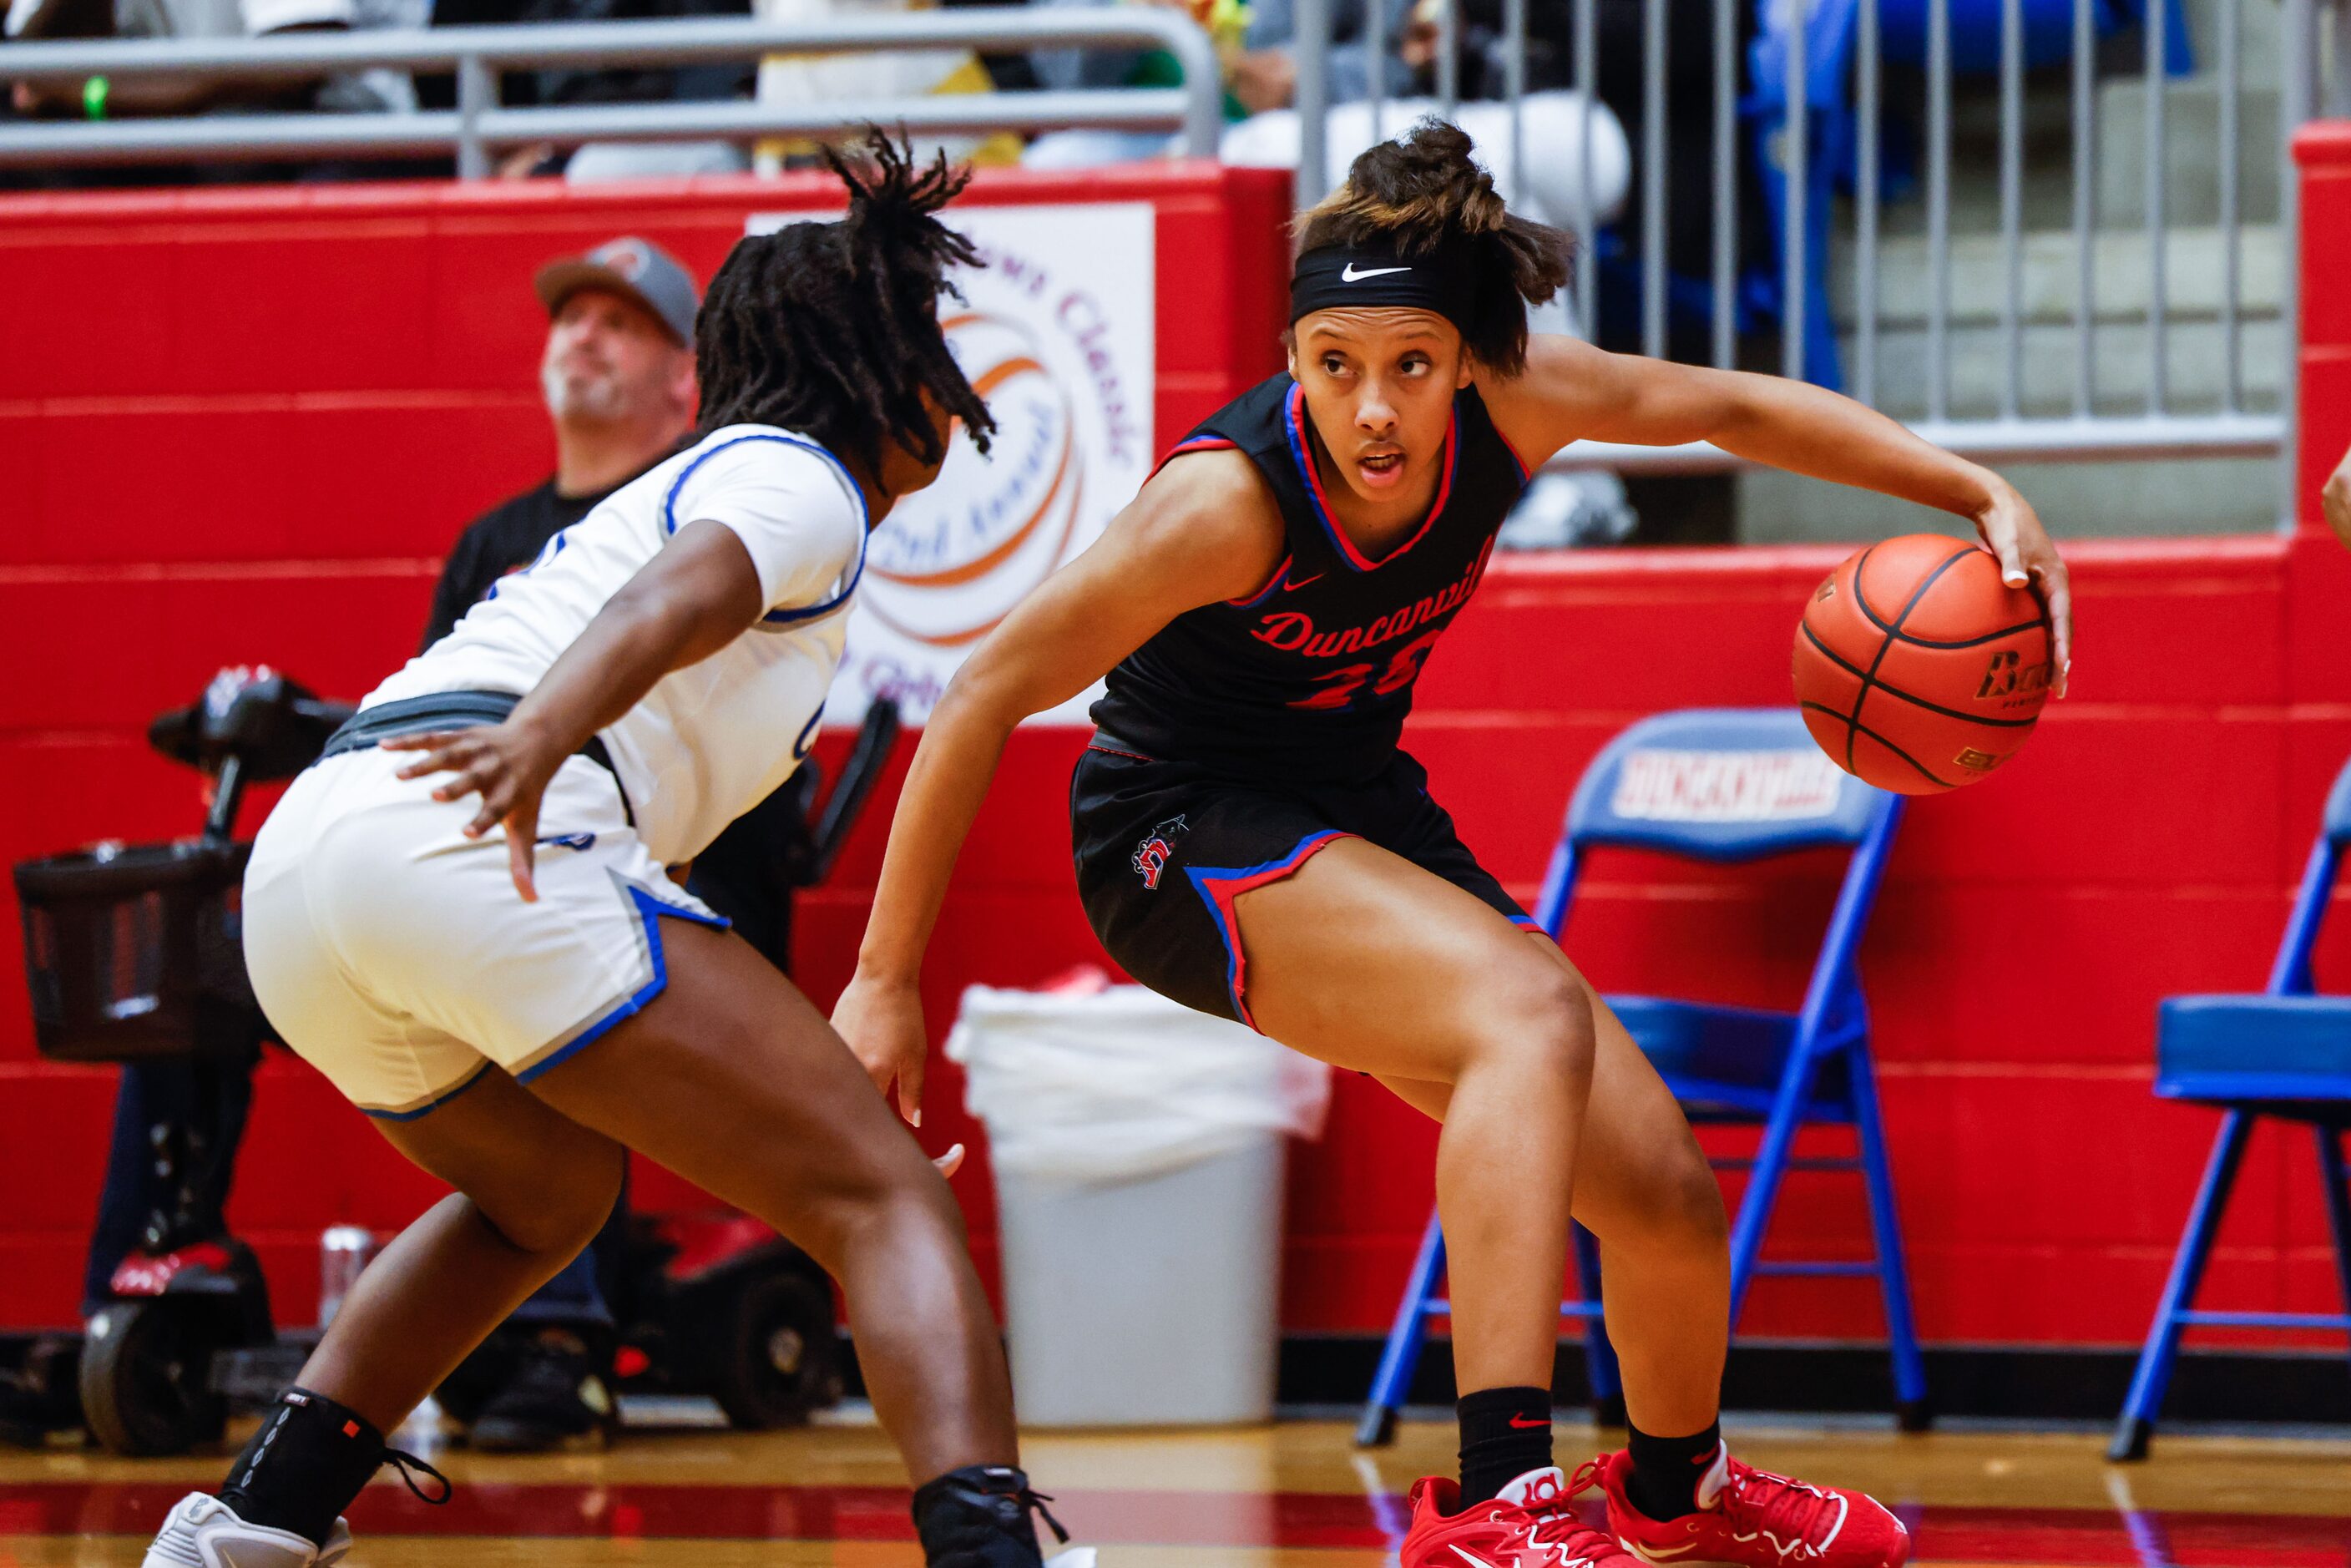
pixel 833 329
pixel 1426 190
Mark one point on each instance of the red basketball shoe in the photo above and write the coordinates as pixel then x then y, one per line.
pixel 1753 1519
pixel 1531 1525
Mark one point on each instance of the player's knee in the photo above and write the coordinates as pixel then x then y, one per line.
pixel 563 1211
pixel 1690 1201
pixel 1671 1207
pixel 883 1209
pixel 1535 1014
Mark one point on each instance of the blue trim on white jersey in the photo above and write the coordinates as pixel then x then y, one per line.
pixel 864 521
pixel 649 909
pixel 430 1105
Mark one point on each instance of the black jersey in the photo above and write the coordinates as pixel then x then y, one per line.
pixel 1309 678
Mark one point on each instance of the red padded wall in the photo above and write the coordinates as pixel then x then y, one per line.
pixel 242 426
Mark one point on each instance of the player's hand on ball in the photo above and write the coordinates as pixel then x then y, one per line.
pixel 507 764
pixel 2013 533
pixel 882 1024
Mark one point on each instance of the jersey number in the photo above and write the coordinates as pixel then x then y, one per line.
pixel 1341 686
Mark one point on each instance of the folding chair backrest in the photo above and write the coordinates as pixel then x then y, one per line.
pixel 2290 974
pixel 2337 823
pixel 1719 784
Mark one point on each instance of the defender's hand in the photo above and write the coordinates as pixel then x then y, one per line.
pixel 2013 532
pixel 882 1024
pixel 508 765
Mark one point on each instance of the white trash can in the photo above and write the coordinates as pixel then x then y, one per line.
pixel 1138 1151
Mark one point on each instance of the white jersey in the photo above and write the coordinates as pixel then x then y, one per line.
pixel 709 741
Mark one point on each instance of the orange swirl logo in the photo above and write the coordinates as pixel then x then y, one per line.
pixel 951 561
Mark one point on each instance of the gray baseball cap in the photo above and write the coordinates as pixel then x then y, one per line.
pixel 634 268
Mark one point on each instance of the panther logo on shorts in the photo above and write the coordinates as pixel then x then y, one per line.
pixel 1151 855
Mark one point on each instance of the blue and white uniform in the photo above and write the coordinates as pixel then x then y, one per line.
pixel 395 954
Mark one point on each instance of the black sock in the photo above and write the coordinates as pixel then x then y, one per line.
pixel 304 1467
pixel 1667 1471
pixel 978 1516
pixel 1505 1433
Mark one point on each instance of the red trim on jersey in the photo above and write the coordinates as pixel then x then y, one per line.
pixel 1299 452
pixel 1220 887
pixel 1190 444
pixel 1526 475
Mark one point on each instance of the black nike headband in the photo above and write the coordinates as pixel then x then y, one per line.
pixel 1340 277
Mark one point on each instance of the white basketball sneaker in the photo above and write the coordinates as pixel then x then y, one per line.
pixel 204 1533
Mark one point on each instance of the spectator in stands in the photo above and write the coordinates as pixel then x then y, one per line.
pixel 365 91
pixel 801 80
pixel 31 20
pixel 1260 73
pixel 604 85
pixel 375 90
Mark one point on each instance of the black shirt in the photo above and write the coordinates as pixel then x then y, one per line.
pixel 1309 678
pixel 505 538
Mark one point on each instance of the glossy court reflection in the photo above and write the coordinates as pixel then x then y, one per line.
pixel 1296 1496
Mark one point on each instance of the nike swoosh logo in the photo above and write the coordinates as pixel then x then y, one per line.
pixel 1352 276
pixel 1520 1424
pixel 1473 1561
pixel 1656 1554
pixel 1288 587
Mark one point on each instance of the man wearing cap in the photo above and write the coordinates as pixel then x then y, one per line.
pixel 618 376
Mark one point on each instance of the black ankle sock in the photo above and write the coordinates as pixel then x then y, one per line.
pixel 1505 1433
pixel 1667 1471
pixel 978 1516
pixel 304 1467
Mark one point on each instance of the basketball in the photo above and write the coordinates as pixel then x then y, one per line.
pixel 1917 669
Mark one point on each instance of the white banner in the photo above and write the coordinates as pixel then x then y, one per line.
pixel 1058 337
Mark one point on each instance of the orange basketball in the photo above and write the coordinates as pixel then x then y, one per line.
pixel 1917 669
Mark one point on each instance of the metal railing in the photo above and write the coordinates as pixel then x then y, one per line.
pixel 478 126
pixel 2009 303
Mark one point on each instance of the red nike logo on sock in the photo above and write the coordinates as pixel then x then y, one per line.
pixel 1520 1424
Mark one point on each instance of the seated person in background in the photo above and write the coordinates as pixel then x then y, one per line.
pixel 1254 43
pixel 617 378
pixel 896 73
pixel 714 80
pixel 376 90
pixel 31 20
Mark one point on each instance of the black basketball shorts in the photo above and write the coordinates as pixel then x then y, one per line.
pixel 1163 848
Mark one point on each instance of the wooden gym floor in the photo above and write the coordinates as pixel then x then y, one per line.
pixel 1295 1496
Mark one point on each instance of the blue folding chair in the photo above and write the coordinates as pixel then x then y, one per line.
pixel 1726 785
pixel 2285 1052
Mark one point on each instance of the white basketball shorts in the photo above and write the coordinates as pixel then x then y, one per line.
pixel 394 955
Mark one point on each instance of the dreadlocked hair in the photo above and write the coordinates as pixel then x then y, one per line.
pixel 833 329
pixel 1425 190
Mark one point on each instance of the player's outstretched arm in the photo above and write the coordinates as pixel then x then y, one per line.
pixel 695 597
pixel 1202 531
pixel 1572 391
